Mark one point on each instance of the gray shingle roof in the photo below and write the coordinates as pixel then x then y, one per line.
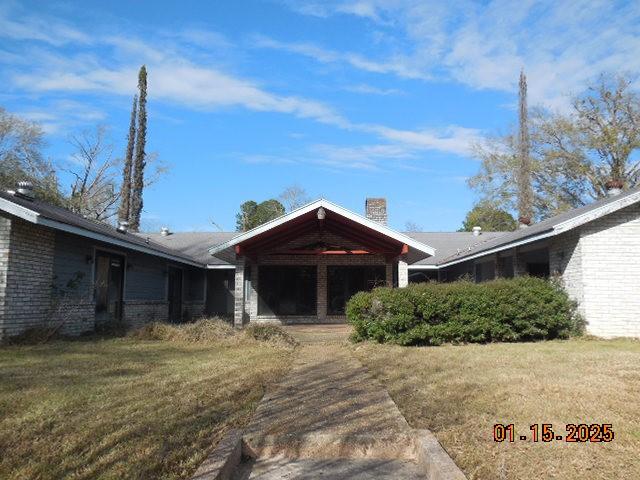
pixel 449 243
pixel 66 217
pixel 194 244
pixel 542 227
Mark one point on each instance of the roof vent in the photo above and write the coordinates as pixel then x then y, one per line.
pixel 477 231
pixel 25 190
pixel 123 226
pixel 164 231
pixel 614 187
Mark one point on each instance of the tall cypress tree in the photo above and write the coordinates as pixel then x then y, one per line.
pixel 139 159
pixel 523 177
pixel 124 212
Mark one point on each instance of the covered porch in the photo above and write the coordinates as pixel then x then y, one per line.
pixel 304 266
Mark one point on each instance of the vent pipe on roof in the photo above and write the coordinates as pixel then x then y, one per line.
pixel 614 187
pixel 25 190
pixel 477 231
pixel 164 231
pixel 123 226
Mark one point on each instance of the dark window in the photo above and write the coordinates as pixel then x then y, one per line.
pixel 344 282
pixel 485 271
pixel 287 290
pixel 538 269
pixel 506 267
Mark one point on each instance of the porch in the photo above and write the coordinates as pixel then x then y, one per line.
pixel 303 267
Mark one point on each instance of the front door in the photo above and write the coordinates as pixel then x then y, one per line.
pixel 108 287
pixel 175 294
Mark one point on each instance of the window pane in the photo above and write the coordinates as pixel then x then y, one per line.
pixel 289 290
pixel 344 282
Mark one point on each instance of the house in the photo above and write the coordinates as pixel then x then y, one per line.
pixel 58 268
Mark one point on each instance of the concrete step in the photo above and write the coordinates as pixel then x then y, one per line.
pixel 281 468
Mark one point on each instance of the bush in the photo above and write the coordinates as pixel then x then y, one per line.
pixel 519 309
pixel 213 330
pixel 208 330
pixel 269 333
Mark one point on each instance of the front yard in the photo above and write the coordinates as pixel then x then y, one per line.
pixel 460 392
pixel 124 408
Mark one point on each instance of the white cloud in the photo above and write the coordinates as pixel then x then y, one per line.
pixel 47 30
pixel 371 90
pixel 562 45
pixel 394 65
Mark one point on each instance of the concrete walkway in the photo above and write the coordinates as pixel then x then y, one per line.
pixel 328 419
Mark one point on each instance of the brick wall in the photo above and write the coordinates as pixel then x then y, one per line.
pixel 611 273
pixel 27 270
pixel 139 312
pixel 565 263
pixel 320 261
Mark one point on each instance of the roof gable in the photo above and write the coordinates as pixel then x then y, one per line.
pixel 340 219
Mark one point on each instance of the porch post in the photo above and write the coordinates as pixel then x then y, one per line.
pixel 238 310
pixel 389 273
pixel 403 272
pixel 321 292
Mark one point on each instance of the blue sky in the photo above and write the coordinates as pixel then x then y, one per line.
pixel 346 99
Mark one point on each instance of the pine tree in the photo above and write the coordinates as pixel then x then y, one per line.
pixel 139 159
pixel 124 212
pixel 524 188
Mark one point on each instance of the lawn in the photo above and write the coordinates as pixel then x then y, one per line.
pixel 125 408
pixel 460 392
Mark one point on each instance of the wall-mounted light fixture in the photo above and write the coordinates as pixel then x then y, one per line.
pixel 321 214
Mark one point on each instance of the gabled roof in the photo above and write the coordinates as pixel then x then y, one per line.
pixel 547 228
pixel 417 249
pixel 47 215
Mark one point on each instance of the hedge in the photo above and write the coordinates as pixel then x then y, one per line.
pixel 504 310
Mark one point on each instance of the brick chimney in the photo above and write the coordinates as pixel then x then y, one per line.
pixel 376 209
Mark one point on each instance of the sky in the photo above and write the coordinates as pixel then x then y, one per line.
pixel 346 99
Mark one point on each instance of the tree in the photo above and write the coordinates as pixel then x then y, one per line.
pixel 94 192
pixel 489 218
pixel 21 158
pixel 252 214
pixel 124 213
pixel 137 186
pixel 573 155
pixel 410 226
pixel 524 188
pixel 294 197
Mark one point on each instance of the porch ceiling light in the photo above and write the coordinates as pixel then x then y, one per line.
pixel 321 214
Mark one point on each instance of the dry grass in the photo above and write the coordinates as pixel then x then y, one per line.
pixel 460 392
pixel 126 408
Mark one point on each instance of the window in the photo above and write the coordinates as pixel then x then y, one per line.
pixel 344 282
pixel 289 290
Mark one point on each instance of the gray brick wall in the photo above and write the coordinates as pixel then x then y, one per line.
pixel 28 271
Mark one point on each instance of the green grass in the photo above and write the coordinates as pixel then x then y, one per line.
pixel 460 392
pixel 125 408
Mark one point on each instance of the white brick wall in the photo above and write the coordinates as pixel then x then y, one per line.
pixel 610 256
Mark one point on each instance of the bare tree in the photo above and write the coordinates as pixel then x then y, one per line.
pixel 411 226
pixel 94 192
pixel 294 197
pixel 21 158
